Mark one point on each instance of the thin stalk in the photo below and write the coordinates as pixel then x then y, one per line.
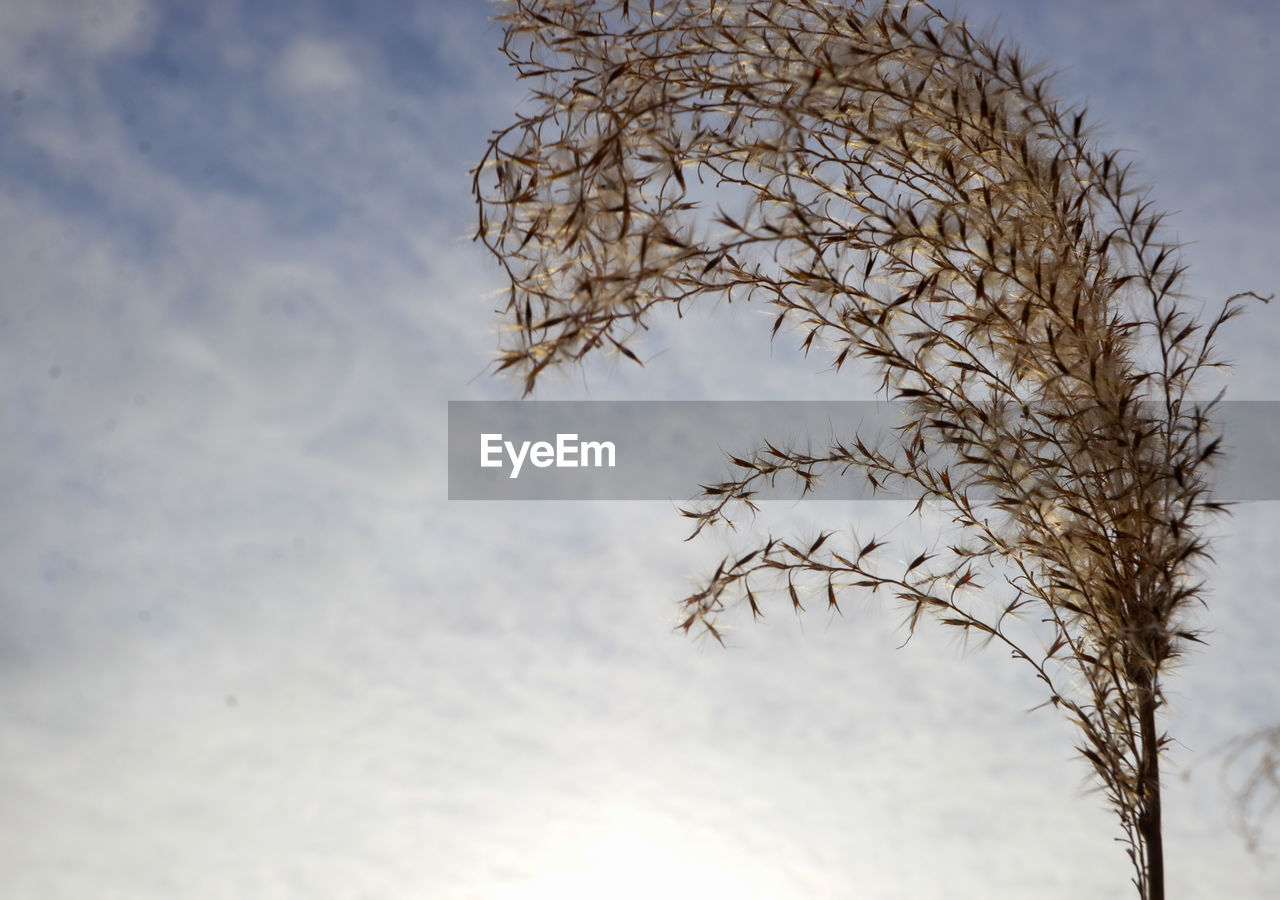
pixel 1149 821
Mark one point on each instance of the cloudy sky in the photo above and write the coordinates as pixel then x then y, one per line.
pixel 250 648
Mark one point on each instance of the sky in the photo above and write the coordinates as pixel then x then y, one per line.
pixel 250 647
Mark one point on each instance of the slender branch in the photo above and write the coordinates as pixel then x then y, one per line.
pixel 912 197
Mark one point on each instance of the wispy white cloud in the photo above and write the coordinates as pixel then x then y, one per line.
pixel 310 66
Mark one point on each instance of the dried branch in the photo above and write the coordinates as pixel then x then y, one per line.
pixel 911 196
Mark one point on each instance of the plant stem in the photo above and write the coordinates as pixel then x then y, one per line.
pixel 1149 821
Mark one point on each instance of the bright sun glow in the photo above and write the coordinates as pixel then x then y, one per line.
pixel 627 865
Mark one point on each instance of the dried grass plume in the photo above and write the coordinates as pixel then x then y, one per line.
pixel 915 200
